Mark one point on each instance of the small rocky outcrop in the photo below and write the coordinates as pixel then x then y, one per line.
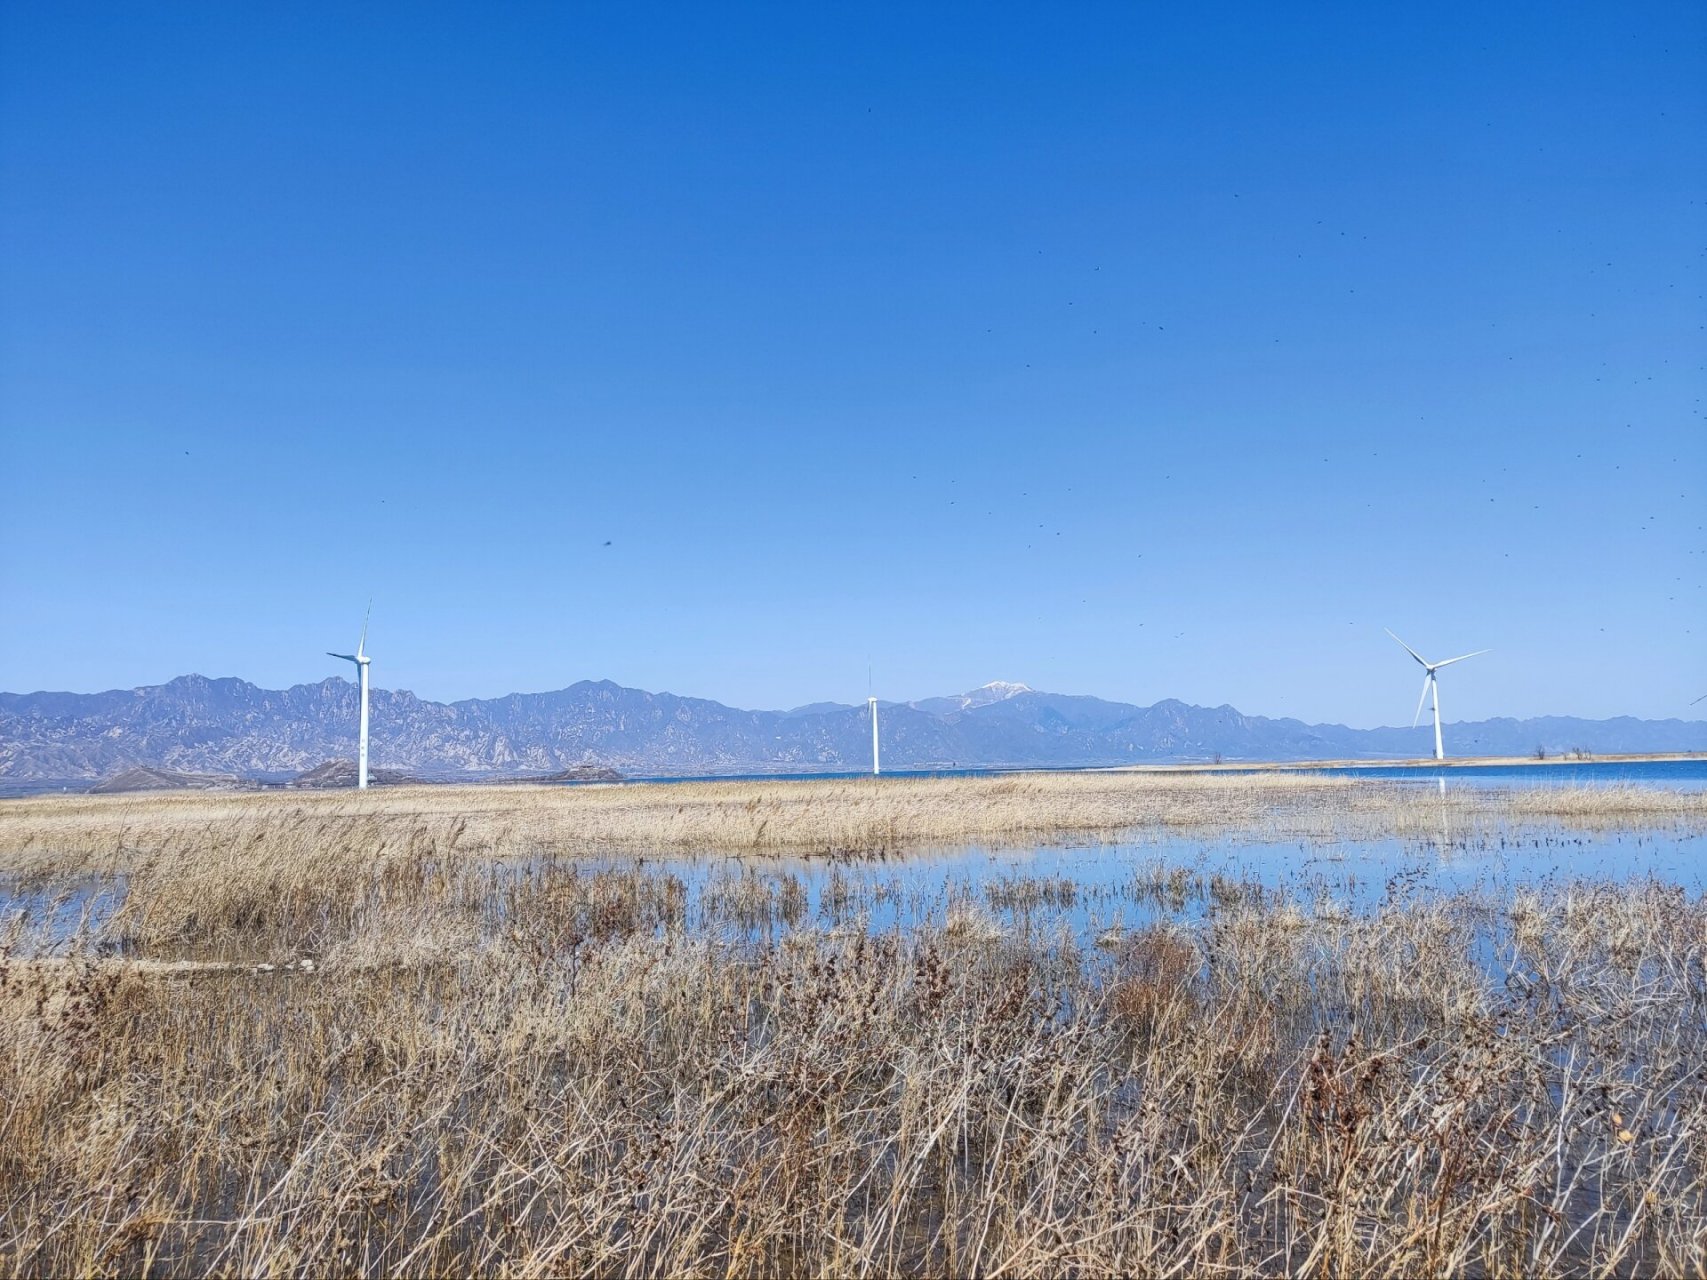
pixel 584 773
pixel 143 778
pixel 342 773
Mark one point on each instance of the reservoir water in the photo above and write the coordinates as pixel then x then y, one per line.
pixel 1688 774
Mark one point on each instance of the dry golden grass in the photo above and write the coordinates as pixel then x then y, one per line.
pixel 1609 804
pixel 203 866
pixel 591 1090
pixel 856 816
pixel 860 817
pixel 519 1049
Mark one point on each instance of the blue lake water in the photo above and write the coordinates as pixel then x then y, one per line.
pixel 1081 890
pixel 1690 774
pixel 1684 774
pixel 1087 889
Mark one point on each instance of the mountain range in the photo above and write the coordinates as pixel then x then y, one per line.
pixel 228 726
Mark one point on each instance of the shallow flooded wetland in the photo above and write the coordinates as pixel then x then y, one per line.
pixel 1084 1024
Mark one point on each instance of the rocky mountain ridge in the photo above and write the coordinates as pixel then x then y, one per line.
pixel 194 724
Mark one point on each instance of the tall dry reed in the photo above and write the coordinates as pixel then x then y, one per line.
pixel 555 1074
pixel 452 1031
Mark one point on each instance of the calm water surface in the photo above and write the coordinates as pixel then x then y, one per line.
pixel 1686 775
pixel 1084 889
pixel 1091 888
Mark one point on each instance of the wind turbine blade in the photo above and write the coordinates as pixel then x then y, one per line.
pixel 1407 648
pixel 361 646
pixel 1421 699
pixel 1461 658
pixel 1702 698
pixel 347 657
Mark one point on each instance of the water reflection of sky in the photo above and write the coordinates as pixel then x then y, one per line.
pixel 61 914
pixel 1115 885
pixel 1685 775
pixel 1086 890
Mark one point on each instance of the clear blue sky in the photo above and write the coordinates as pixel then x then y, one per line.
pixel 1138 350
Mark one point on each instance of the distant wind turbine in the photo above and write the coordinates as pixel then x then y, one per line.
pixel 1432 684
pixel 360 658
pixel 871 701
pixel 874 769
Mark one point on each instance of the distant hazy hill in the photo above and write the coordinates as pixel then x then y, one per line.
pixel 334 775
pixel 202 726
pixel 143 778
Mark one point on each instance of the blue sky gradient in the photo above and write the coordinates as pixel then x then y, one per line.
pixel 1129 350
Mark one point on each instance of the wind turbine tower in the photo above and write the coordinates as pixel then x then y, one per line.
pixel 360 658
pixel 872 702
pixel 1431 684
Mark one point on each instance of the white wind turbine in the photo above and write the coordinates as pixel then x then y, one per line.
pixel 360 658
pixel 1431 683
pixel 873 704
pixel 871 701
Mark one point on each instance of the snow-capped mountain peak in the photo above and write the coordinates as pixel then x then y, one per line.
pixel 982 696
pixel 995 691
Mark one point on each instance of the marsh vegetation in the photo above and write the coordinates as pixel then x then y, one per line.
pixel 333 1034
